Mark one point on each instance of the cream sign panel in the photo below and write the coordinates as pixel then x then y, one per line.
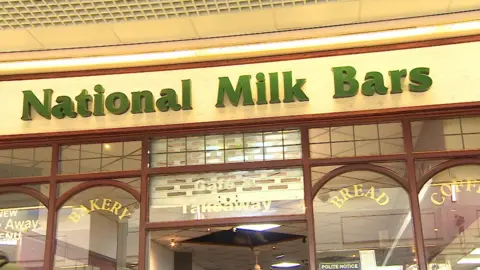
pixel 414 77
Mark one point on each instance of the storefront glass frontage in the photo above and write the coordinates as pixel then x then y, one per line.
pixel 387 189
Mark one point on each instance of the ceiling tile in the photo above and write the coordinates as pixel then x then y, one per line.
pixel 317 15
pixel 462 5
pixel 155 30
pixel 18 40
pixel 234 23
pixel 75 36
pixel 372 10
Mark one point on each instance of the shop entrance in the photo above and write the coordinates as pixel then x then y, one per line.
pixel 234 247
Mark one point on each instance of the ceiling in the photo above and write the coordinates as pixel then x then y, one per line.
pixel 28 25
pixel 211 257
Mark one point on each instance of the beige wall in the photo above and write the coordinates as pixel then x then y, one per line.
pixel 452 69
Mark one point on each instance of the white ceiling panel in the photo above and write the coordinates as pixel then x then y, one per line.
pixel 234 23
pixel 155 30
pixel 75 36
pixel 317 15
pixel 373 10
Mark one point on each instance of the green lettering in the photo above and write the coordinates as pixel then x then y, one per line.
pixel 396 77
pixel 374 84
pixel 243 87
pixel 293 91
pixel 186 95
pixel 98 100
pixel 145 97
pixel 117 103
pixel 345 83
pixel 64 108
pixel 168 100
pixel 30 100
pixel 261 89
pixel 82 103
pixel 274 92
pixel 421 82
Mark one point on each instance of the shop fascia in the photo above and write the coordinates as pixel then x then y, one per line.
pixel 346 85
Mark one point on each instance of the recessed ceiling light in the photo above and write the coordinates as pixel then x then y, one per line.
pixel 285 265
pixel 258 227
pixel 106 146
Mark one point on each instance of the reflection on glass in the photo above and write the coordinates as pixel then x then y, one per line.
pixel 25 162
pixel 100 157
pixel 227 194
pixel 229 247
pixel 363 219
pixel 446 134
pixel 98 229
pixel 227 148
pixel 23 225
pixel 450 210
pixel 358 140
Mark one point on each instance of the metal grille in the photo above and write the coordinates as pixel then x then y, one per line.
pixel 45 13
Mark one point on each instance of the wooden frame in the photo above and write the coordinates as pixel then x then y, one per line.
pixel 412 185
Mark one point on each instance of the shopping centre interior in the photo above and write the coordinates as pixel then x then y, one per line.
pixel 369 184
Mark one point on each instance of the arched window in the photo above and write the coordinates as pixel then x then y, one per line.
pixel 450 207
pixel 363 221
pixel 23 226
pixel 98 229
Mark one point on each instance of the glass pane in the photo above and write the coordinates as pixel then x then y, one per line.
pixel 158 146
pixel 215 157
pixel 340 134
pixel 158 160
pixel 176 159
pixel 358 140
pixel 196 158
pixel 292 137
pixel 214 142
pixel 102 157
pixel 254 154
pixel 234 141
pixel 319 135
pixel 23 224
pixel 25 162
pixel 90 151
pixel 176 145
pixel 363 218
pixel 272 138
pixel 228 194
pixel 449 204
pixel 98 229
pixel 293 152
pixel 390 130
pixel 232 156
pixel 366 132
pixel 273 153
pixel 447 134
pixel 253 140
pixel 196 143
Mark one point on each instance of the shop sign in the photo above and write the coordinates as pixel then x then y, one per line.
pixel 447 189
pixel 12 225
pixel 225 203
pixel 104 204
pixel 346 85
pixel 356 191
pixel 340 266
